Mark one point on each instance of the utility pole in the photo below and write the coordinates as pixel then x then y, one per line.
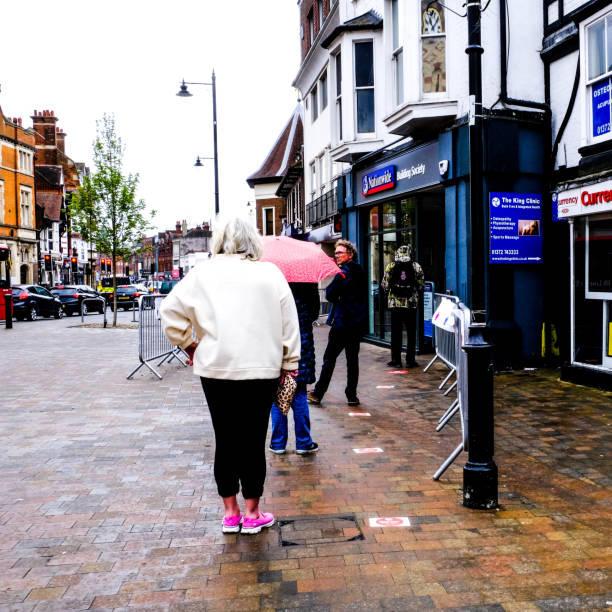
pixel 480 479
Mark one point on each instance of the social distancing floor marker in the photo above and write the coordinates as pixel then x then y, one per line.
pixel 363 451
pixel 385 386
pixel 390 521
pixel 359 414
pixel 398 372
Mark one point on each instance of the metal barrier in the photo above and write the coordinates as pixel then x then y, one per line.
pixel 152 342
pixel 444 343
pixel 461 315
pixel 85 309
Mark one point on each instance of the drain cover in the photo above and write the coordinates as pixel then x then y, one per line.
pixel 318 530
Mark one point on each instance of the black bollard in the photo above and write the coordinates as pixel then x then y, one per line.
pixel 480 482
pixel 8 310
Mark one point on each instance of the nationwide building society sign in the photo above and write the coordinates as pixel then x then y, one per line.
pixel 382 179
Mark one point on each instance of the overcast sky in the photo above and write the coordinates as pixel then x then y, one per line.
pixel 82 59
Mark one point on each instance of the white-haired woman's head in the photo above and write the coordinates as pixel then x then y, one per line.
pixel 237 236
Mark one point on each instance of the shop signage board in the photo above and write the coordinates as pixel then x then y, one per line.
pixel 585 200
pixel 411 170
pixel 428 309
pixel 600 100
pixel 515 227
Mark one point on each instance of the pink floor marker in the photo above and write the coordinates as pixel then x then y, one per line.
pixel 385 386
pixel 359 414
pixel 398 372
pixel 390 521
pixel 363 451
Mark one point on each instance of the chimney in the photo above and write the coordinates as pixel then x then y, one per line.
pixel 60 140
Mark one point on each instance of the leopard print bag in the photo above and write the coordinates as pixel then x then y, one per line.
pixel 285 393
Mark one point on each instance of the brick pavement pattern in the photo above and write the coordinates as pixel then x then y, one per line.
pixel 109 502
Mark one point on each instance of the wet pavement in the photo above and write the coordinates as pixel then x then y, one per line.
pixel 109 502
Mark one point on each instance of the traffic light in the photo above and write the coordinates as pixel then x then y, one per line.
pixel 48 263
pixel 74 263
pixel 337 224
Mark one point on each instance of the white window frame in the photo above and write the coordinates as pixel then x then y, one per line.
pixel 25 161
pixel 337 84
pixel 313 180
pixel 397 55
pixel 263 221
pixel 25 207
pixel 588 83
pixel 363 88
pixel 324 90
pixel 314 104
pixel 432 94
pixel 320 12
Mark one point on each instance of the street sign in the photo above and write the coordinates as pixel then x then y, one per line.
pixel 428 309
pixel 515 227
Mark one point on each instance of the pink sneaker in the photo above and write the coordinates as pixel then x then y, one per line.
pixel 250 525
pixel 231 524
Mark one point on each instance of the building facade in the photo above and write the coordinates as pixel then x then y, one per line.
pixel 387 112
pixel 18 216
pixel 577 53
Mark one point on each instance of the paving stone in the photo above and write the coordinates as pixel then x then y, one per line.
pixel 113 505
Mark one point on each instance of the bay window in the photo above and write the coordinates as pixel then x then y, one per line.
pixel 364 86
pixel 598 77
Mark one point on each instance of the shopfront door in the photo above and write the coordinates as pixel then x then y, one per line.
pixel 416 221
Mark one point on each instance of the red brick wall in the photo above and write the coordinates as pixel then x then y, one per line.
pixel 305 8
pixel 279 209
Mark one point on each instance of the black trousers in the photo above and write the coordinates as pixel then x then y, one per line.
pixel 240 411
pixel 340 339
pixel 400 318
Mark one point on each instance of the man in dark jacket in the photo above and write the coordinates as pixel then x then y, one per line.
pixel 348 318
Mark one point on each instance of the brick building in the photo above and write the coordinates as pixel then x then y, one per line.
pixel 17 198
pixel 278 183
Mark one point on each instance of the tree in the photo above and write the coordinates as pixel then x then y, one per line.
pixel 104 210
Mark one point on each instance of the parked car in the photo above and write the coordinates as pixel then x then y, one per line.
pixel 127 296
pixel 77 297
pixel 32 301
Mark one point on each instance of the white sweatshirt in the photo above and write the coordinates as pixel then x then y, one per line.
pixel 244 315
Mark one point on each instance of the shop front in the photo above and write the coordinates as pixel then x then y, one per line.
pixel 588 209
pixel 398 200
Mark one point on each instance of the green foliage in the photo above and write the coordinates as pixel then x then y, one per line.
pixel 105 209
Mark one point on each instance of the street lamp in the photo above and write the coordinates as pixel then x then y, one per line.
pixel 198 161
pixel 184 93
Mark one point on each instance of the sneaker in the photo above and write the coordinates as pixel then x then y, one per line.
pixel 250 525
pixel 277 451
pixel 231 524
pixel 313 399
pixel 395 364
pixel 353 401
pixel 313 448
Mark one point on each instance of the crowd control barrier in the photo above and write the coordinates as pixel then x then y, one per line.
pixel 152 342
pixel 444 338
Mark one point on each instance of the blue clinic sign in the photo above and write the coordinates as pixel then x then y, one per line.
pixel 600 99
pixel 515 227
pixel 381 179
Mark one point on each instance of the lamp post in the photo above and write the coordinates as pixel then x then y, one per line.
pixel 184 93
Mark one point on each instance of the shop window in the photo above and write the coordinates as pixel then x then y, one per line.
pixel 314 104
pixel 599 75
pixel 599 258
pixel 364 86
pixel 433 47
pixel 323 90
pixel 397 55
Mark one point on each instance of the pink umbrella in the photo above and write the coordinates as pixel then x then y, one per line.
pixel 298 260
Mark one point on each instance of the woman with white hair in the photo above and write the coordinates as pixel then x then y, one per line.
pixel 244 315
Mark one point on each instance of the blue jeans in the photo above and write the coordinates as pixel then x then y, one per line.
pixel 301 419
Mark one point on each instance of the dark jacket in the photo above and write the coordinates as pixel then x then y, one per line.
pixel 306 296
pixel 348 296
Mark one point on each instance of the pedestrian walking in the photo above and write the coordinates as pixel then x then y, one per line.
pixel 244 315
pixel 403 280
pixel 348 319
pixel 307 302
